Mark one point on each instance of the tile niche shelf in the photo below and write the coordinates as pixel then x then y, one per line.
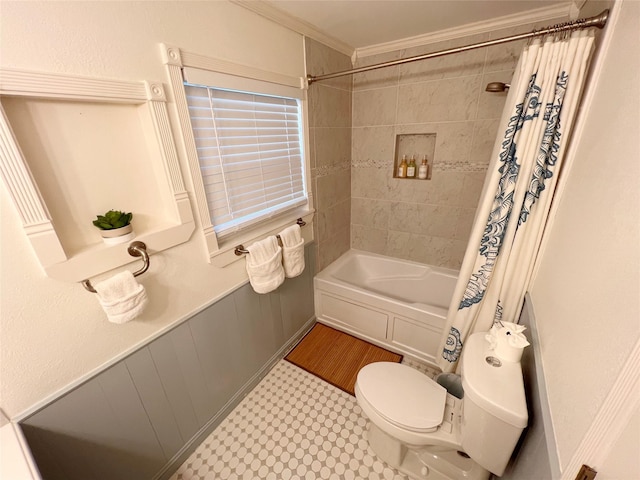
pixel 417 145
pixel 74 147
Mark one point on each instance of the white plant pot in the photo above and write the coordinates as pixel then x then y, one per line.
pixel 118 235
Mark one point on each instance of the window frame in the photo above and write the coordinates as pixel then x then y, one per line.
pixel 220 251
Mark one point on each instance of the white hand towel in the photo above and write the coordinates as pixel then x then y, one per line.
pixel 264 265
pixel 292 251
pixel 121 297
pixel 507 340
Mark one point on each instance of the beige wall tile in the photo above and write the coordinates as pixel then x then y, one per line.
pixel 464 224
pixel 398 244
pixel 329 107
pixel 472 189
pixel 444 252
pixel 503 57
pixel 369 182
pixel 434 251
pixel 331 249
pixel 490 105
pixel 453 142
pixel 374 107
pixel 312 148
pixel 449 66
pixel 506 55
pixel 373 145
pixel 370 213
pixel 404 217
pixel 453 139
pixel 444 188
pixel 485 133
pixel 438 101
pixel 322 59
pixel 333 188
pixel 332 146
pixel 427 220
pixel 333 220
pixel 369 239
pixel 383 77
pixel 437 220
pixel 408 191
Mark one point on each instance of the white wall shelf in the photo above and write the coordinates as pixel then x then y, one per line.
pixel 74 147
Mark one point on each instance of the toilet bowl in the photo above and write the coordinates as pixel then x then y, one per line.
pixel 425 432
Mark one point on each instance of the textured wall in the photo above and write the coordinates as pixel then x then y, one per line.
pixel 53 333
pixel 330 142
pixel 586 290
pixel 426 221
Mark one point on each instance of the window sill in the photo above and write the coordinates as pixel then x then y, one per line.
pixel 225 254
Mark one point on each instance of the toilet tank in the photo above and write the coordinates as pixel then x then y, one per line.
pixel 494 408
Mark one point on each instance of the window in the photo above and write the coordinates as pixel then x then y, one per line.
pixel 249 142
pixel 244 132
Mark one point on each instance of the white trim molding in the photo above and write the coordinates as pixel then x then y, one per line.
pixel 219 252
pixel 30 204
pixel 612 418
pixel 296 24
pixel 565 10
pixel 490 26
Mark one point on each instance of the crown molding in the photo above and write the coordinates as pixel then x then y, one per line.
pixel 296 24
pixel 575 7
pixel 508 21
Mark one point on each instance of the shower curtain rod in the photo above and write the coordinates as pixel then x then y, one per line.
pixel 597 21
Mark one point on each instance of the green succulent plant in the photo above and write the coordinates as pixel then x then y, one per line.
pixel 113 219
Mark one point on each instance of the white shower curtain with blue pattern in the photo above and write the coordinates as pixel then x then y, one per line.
pixel 518 189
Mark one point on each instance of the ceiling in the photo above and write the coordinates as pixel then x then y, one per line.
pixel 365 23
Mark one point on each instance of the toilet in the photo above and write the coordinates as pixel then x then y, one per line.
pixel 425 432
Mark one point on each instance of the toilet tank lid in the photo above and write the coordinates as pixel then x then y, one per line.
pixel 497 390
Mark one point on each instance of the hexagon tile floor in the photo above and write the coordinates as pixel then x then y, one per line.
pixel 292 426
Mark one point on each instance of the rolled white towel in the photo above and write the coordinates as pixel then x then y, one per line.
pixel 264 265
pixel 121 297
pixel 292 251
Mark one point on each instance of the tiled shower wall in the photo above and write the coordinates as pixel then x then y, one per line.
pixel 330 151
pixel 427 221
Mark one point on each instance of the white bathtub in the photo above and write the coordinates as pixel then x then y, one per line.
pixel 397 304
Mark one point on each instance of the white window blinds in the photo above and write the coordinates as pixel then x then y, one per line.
pixel 250 151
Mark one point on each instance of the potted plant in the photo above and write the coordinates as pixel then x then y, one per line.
pixel 115 226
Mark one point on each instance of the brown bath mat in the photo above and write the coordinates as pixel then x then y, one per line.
pixel 336 357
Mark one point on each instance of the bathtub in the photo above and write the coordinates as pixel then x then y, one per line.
pixel 393 303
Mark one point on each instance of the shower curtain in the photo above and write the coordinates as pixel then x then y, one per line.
pixel 523 172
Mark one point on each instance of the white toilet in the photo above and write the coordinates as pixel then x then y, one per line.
pixel 427 433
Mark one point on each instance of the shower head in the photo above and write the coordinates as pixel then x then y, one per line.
pixel 496 87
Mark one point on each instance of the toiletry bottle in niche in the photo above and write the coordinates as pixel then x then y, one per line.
pixel 402 168
pixel 411 169
pixel 423 171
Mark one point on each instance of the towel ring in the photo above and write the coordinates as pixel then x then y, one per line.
pixel 136 249
pixel 240 250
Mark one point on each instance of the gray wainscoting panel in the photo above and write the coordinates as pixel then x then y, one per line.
pixel 219 358
pixel 154 399
pixel 99 430
pixel 533 459
pixel 174 385
pixel 142 416
pixel 297 297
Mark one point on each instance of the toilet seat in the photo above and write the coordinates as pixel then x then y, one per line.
pixel 402 396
